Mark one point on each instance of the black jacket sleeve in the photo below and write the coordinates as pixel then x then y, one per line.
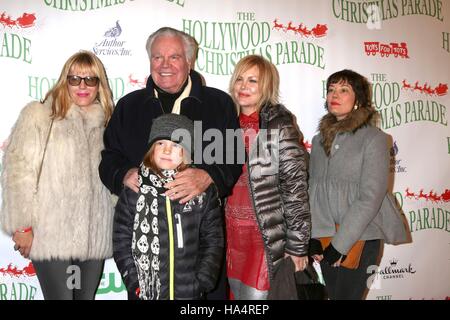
pixel 122 237
pixel 211 244
pixel 226 174
pixel 114 164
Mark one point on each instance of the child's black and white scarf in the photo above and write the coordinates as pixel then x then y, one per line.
pixel 145 242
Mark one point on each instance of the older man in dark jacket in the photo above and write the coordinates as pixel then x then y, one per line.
pixel 172 88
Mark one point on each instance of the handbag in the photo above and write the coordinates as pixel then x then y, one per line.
pixel 353 255
pixel 301 285
pixel 308 285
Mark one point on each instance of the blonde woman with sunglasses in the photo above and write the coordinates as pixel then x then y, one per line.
pixel 54 205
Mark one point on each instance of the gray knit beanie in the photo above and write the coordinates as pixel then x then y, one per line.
pixel 173 127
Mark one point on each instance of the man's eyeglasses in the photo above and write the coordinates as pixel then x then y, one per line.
pixel 76 80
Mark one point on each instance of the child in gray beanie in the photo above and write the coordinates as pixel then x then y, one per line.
pixel 165 250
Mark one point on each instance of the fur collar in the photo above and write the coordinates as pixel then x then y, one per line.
pixel 329 126
pixel 93 116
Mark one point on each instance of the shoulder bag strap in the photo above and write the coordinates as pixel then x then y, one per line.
pixel 43 156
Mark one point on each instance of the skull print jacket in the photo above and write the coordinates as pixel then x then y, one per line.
pixel 165 250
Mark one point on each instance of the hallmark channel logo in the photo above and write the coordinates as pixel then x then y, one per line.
pixel 395 164
pixel 394 270
pixel 386 50
pixel 111 45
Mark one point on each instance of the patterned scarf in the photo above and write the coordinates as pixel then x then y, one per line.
pixel 145 243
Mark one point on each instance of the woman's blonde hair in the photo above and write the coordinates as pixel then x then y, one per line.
pixel 269 79
pixel 86 61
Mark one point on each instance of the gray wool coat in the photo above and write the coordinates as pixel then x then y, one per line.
pixel 350 188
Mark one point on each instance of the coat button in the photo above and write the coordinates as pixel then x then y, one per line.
pixel 336 146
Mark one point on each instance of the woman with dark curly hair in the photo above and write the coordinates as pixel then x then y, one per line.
pixel 348 188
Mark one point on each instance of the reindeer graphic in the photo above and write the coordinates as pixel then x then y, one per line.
pixel 6 20
pixel 433 197
pixel 405 85
pixel 417 87
pixel 409 194
pixel 289 27
pixel 422 195
pixel 277 25
pixel 303 30
pixel 132 81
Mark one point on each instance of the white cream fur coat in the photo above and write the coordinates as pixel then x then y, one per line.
pixel 71 213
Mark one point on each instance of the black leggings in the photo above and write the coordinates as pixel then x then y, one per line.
pixel 69 279
pixel 349 284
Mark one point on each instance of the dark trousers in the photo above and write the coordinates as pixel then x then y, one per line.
pixel 69 279
pixel 220 291
pixel 351 284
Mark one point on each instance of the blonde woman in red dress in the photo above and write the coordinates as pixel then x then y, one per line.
pixel 267 214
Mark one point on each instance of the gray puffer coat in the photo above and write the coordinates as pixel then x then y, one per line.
pixel 278 171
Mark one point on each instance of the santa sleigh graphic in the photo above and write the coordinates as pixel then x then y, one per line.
pixel 430 196
pixel 440 90
pixel 26 20
pixel 13 271
pixel 320 30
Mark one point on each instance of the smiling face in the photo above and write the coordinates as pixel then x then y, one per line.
pixel 167 155
pixel 168 64
pixel 246 90
pixel 82 95
pixel 340 99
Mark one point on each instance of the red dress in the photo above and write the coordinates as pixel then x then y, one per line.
pixel 246 260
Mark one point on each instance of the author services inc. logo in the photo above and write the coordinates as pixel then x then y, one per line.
pixel 396 164
pixel 112 44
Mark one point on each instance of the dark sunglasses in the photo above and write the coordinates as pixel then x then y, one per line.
pixel 76 80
